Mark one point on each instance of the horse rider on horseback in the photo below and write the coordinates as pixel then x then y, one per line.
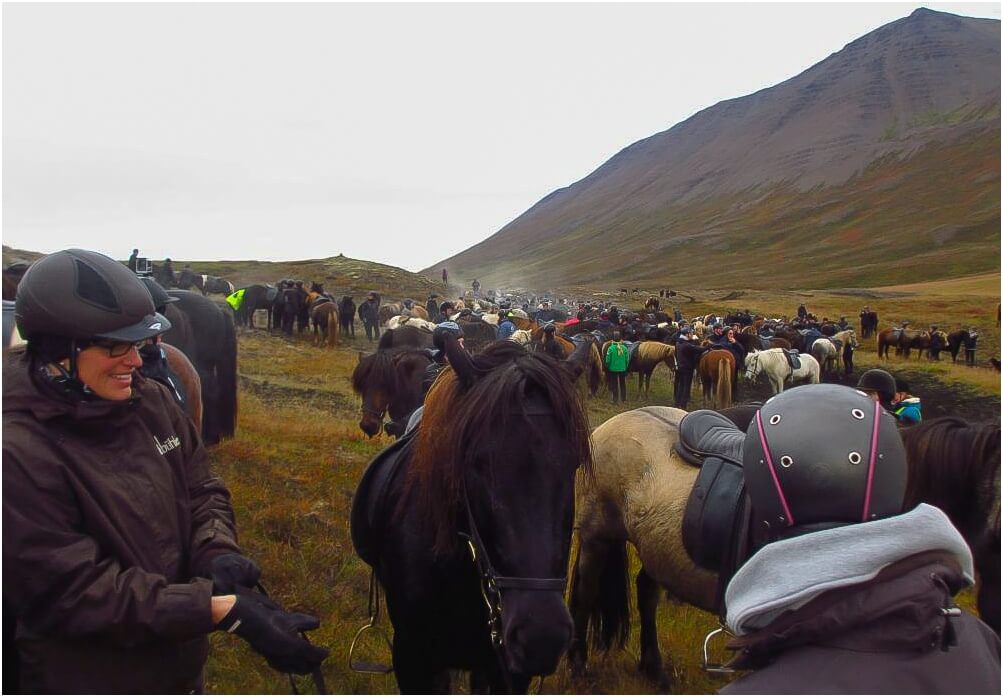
pixel 837 590
pixel 120 547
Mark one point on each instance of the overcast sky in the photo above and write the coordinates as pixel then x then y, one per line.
pixel 399 133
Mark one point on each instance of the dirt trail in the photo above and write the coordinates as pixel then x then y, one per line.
pixel 938 399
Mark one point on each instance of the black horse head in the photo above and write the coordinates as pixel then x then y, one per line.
pixel 502 436
pixel 389 382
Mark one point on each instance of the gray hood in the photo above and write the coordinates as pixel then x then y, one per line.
pixel 786 575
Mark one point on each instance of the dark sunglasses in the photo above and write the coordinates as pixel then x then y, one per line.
pixel 117 349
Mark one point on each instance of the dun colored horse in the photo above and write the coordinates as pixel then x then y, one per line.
pixel 639 494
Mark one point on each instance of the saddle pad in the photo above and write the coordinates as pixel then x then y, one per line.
pixel 271 294
pixel 370 505
pixel 712 510
pixel 705 433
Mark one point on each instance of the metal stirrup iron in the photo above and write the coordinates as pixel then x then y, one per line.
pixel 371 626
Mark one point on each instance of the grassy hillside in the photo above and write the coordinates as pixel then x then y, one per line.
pixel 340 274
pixel 929 214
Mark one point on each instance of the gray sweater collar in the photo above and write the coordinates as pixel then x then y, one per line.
pixel 787 574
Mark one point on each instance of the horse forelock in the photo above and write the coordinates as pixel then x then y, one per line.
pixel 459 426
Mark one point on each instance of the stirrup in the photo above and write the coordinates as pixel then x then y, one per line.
pixel 371 626
pixel 714 668
pixel 360 666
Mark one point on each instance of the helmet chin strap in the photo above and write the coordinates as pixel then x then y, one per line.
pixel 68 381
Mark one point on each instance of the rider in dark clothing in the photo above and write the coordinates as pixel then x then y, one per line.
pixel 688 352
pixel 369 313
pixel 168 273
pixel 132 260
pixel 431 306
pixel 802 312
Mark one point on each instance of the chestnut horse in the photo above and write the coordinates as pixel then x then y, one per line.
pixel 716 369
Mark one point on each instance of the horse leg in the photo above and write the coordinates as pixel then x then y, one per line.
pixel 585 587
pixel 648 594
pixel 413 674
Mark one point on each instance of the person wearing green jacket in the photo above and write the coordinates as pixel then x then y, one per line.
pixel 616 360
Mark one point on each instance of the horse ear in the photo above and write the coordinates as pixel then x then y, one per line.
pixel 460 361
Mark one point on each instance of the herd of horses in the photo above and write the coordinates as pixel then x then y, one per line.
pixel 498 516
pixel 506 619
pixel 469 529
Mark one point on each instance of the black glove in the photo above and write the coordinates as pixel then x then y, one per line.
pixel 274 633
pixel 228 571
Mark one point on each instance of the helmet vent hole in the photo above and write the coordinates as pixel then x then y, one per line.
pixel 858 414
pixel 854 458
pixel 786 461
pixel 94 289
pixel 775 419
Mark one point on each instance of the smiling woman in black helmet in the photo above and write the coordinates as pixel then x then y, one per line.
pixel 119 544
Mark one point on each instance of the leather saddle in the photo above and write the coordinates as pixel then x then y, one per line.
pixel 793 358
pixel 271 294
pixel 371 505
pixel 715 522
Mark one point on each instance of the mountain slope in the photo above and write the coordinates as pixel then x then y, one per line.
pixel 893 141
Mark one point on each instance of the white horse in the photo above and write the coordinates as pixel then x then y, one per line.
pixel 774 364
pixel 825 353
pixel 845 336
pixel 406 320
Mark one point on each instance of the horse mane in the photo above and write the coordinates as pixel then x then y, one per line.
pixel 460 424
pixel 953 465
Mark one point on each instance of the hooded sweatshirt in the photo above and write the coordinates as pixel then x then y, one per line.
pixel 110 515
pixel 863 608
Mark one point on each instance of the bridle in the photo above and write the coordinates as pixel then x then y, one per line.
pixel 492 585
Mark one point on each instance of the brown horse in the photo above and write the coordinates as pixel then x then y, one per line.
pixel 780 342
pixel 389 382
pixel 639 492
pixel 190 381
pixel 325 323
pixel 716 369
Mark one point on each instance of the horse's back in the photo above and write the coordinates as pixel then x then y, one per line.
pixel 639 494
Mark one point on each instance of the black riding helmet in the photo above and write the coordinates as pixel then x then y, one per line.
pixel 822 456
pixel 881 381
pixel 80 295
pixel 157 292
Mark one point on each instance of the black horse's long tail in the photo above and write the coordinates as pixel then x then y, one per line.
pixel 608 623
pixel 226 379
